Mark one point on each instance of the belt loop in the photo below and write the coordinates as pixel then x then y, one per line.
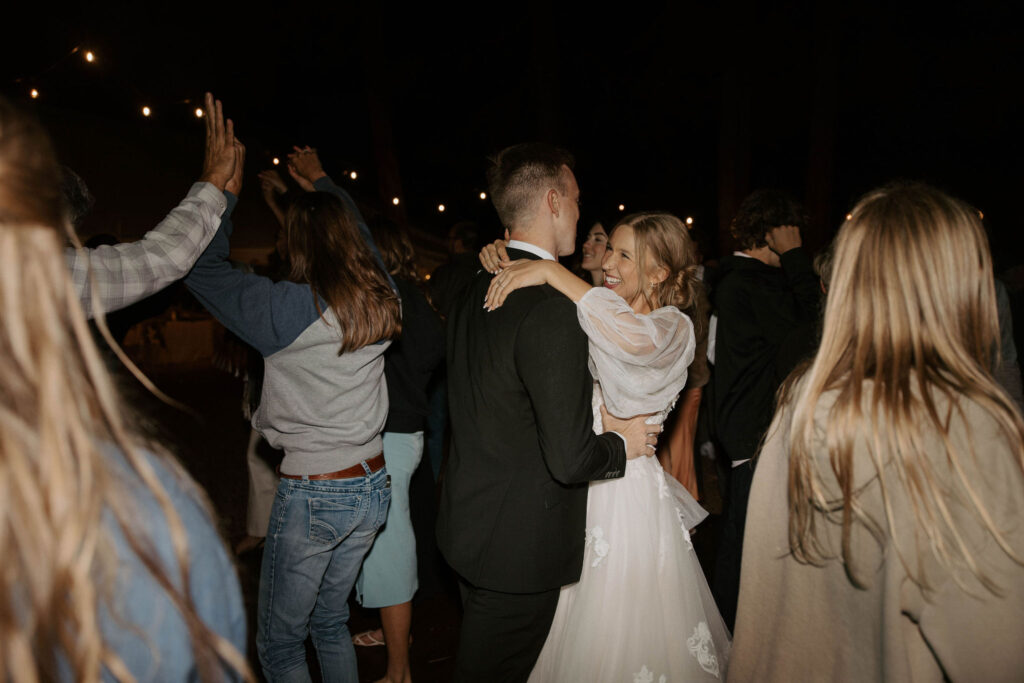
pixel 366 468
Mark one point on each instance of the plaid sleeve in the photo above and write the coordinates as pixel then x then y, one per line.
pixel 125 273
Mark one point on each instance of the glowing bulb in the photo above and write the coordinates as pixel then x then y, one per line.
pixel 483 195
pixel 689 220
pixel 622 207
pixel 353 175
pixel 981 214
pixel 427 276
pixel 146 111
pixel 394 200
pixel 440 207
pixel 275 161
pixel 199 113
pixel 33 93
pixel 89 56
pixel 849 216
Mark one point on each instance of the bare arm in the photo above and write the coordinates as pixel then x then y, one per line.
pixel 526 273
pixel 271 186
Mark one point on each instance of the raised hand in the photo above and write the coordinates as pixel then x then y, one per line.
pixel 493 255
pixel 521 273
pixel 220 158
pixel 271 182
pixel 272 185
pixel 234 185
pixel 641 438
pixel 304 166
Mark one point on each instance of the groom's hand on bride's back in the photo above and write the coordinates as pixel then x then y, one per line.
pixel 641 438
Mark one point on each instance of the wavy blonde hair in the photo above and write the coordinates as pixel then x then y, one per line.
pixel 58 409
pixel 665 239
pixel 910 326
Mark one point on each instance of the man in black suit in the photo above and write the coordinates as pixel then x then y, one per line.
pixel 513 508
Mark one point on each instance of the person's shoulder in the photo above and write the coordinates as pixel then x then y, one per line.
pixel 546 310
pixel 182 491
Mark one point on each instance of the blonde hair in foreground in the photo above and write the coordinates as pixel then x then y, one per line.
pixel 58 407
pixel 911 307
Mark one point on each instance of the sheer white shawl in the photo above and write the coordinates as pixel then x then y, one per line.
pixel 640 360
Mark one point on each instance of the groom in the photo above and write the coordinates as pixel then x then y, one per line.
pixel 513 508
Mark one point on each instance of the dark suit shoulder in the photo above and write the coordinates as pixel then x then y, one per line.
pixel 550 308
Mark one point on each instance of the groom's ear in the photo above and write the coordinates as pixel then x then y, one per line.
pixel 551 201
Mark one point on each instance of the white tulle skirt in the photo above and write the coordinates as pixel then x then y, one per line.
pixel 642 611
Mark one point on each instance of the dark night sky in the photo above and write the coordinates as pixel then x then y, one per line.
pixel 823 104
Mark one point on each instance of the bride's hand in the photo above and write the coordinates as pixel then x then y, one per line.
pixel 492 256
pixel 522 273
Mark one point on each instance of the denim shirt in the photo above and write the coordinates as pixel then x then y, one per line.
pixel 142 625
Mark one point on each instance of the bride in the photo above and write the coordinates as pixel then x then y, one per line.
pixel 642 610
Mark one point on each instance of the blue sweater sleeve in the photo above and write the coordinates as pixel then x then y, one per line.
pixel 325 184
pixel 265 314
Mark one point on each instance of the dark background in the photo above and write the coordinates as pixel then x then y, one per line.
pixel 677 106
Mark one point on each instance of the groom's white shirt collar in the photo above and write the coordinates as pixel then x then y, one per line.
pixel 532 248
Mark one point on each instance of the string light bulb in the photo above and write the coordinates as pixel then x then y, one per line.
pixel 849 216
pixel 440 208
pixel 275 161
pixel 622 207
pixel 689 220
pixel 89 56
pixel 483 195
pixel 353 175
pixel 981 215
pixel 394 200
pixel 199 113
pixel 33 93
pixel 146 111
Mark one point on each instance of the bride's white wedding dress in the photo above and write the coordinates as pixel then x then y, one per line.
pixel 642 611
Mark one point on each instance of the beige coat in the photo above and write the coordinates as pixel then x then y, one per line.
pixel 797 622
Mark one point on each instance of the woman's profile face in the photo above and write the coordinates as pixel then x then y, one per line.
pixel 594 248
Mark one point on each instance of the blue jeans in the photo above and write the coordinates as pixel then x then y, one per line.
pixel 319 533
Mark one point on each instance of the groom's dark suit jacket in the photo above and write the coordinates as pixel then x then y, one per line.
pixel 513 506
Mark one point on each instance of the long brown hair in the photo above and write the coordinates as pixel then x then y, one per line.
pixel 909 329
pixel 665 239
pixel 396 250
pixel 58 410
pixel 328 253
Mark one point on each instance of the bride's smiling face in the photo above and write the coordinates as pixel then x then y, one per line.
pixel 621 274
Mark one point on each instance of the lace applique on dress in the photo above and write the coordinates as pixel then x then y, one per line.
pixel 599 544
pixel 645 675
pixel 700 647
pixel 682 525
pixel 662 485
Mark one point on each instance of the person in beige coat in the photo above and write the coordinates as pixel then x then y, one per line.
pixel 885 531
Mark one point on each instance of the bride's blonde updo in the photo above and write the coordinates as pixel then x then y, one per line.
pixel 667 241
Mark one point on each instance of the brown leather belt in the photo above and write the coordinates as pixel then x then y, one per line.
pixel 375 463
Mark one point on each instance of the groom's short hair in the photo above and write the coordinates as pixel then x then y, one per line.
pixel 518 173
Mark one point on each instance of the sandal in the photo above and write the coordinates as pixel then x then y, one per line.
pixel 368 638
